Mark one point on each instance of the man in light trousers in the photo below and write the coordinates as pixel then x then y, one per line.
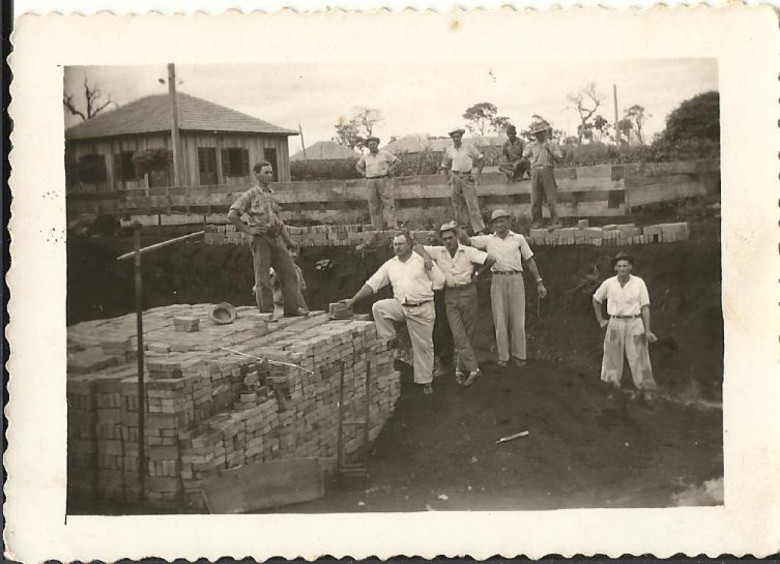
pixel 413 284
pixel 459 160
pixel 378 168
pixel 507 289
pixel 628 329
pixel 458 263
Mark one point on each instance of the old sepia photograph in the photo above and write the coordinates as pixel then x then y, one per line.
pixel 363 284
pixel 310 288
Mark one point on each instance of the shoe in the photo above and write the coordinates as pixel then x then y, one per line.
pixel 519 362
pixel 459 377
pixel 502 363
pixel 300 312
pixel 472 377
pixel 554 226
pixel 427 389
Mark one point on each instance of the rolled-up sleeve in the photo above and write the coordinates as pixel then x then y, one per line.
pixel 474 153
pixel 644 297
pixel 379 279
pixel 601 293
pixel 476 256
pixel 479 241
pixel 242 203
pixel 437 277
pixel 525 249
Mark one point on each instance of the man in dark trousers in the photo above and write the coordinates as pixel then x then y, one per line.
pixel 544 154
pixel 269 243
pixel 513 164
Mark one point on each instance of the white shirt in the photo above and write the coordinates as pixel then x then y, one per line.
pixel 412 284
pixel 623 300
pixel 508 251
pixel 462 159
pixel 457 270
pixel 379 164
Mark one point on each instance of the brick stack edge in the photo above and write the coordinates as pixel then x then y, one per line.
pixel 352 235
pixel 208 409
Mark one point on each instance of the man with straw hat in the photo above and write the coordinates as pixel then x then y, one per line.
pixel 460 265
pixel 543 154
pixel 378 168
pixel 507 289
pixel 459 160
pixel 628 329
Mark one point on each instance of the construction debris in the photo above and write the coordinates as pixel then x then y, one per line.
pixel 512 437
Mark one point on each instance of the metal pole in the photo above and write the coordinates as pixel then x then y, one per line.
pixel 139 318
pixel 339 444
pixel 617 129
pixel 161 245
pixel 174 125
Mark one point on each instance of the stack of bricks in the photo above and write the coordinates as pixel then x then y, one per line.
pixel 312 236
pixel 82 437
pixel 213 409
pixel 610 235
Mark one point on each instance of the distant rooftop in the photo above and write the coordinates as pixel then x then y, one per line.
pixel 152 114
pixel 419 143
pixel 326 150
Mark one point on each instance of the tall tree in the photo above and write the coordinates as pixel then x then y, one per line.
pixel 587 102
pixel 483 118
pixel 625 126
pixel 354 131
pixel 696 118
pixel 636 115
pixel 601 126
pixel 92 96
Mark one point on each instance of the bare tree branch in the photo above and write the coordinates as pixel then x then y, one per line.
pixel 67 101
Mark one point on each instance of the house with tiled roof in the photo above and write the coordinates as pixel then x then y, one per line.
pixel 325 151
pixel 130 148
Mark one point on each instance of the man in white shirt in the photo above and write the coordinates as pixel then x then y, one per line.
pixel 458 265
pixel 458 161
pixel 413 283
pixel 507 289
pixel 628 329
pixel 378 167
pixel 543 154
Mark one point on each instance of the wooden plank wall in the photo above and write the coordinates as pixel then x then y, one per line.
pixel 602 190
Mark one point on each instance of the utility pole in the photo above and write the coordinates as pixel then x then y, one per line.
pixel 303 145
pixel 617 130
pixel 174 125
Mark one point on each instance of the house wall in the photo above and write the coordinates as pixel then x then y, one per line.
pixel 190 143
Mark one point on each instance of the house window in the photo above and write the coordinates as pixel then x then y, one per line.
pixel 123 166
pixel 235 162
pixel 207 165
pixel 92 169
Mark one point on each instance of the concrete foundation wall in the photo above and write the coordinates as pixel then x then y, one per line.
pixel 208 409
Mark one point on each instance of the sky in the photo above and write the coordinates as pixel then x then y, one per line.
pixel 425 98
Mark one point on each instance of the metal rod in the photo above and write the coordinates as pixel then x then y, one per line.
pixel 368 411
pixel 268 360
pixel 139 317
pixel 159 245
pixel 340 443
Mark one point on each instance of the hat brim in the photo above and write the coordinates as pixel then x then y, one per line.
pixel 501 216
pixel 461 131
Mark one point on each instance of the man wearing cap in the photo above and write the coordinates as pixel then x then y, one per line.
pixel 507 290
pixel 378 167
pixel 628 329
pixel 513 164
pixel 543 154
pixel 459 160
pixel 458 263
pixel 413 283
pixel 269 242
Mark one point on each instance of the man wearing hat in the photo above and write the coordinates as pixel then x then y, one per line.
pixel 512 162
pixel 628 329
pixel 507 289
pixel 543 154
pixel 458 263
pixel 269 242
pixel 413 283
pixel 459 160
pixel 378 167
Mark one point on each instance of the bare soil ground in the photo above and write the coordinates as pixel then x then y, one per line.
pixel 438 452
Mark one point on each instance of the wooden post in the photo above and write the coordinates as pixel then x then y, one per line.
pixel 617 129
pixel 174 127
pixel 139 318
pixel 303 145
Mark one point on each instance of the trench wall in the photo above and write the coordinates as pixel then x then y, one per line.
pixel 210 409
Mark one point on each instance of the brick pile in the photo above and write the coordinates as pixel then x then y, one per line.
pixel 274 395
pixel 354 235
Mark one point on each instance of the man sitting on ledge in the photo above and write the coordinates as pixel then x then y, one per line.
pixel 413 280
